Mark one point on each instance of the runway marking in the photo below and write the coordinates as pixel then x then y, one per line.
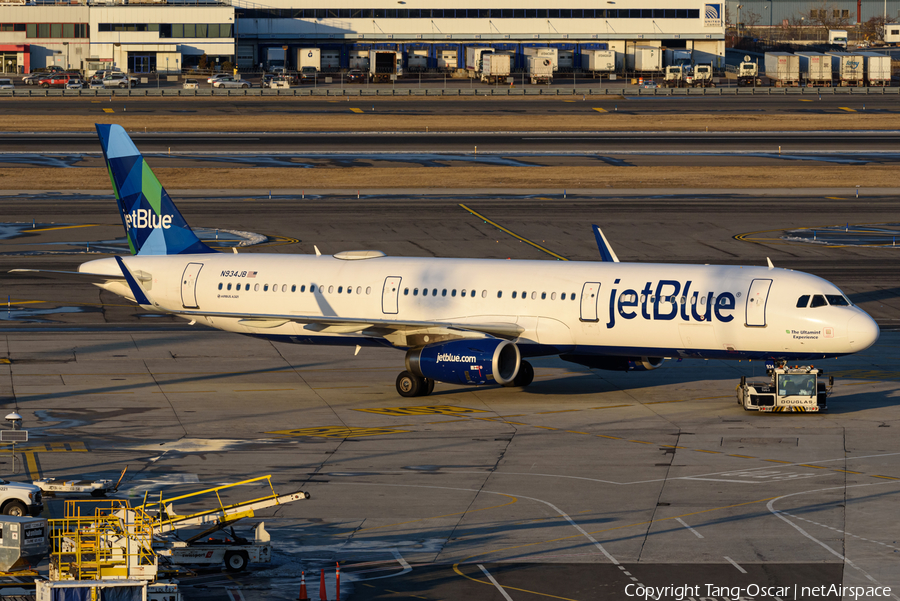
pixel 423 410
pixel 357 110
pixel 33 463
pixel 337 432
pixel 436 517
pixel 835 198
pixel 108 111
pixel 495 583
pixel 805 100
pixel 599 110
pixel 734 563
pixel 513 234
pixel 262 389
pixel 683 523
pixel 848 109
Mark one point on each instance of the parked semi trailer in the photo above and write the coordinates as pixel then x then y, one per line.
pixel 783 68
pixel 309 57
pixel 598 62
pixel 540 69
pixel 877 68
pixel 495 67
pixel 545 52
pixel 383 64
pixel 474 56
pixel 849 68
pixel 815 68
pixel 647 59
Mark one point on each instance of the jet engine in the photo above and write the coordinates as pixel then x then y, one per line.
pixel 616 363
pixel 477 361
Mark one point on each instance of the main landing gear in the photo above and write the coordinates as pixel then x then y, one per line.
pixel 411 385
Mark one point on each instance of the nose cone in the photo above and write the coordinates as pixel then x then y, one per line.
pixel 862 332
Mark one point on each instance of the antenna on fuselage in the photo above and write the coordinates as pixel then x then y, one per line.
pixel 318 254
pixel 769 261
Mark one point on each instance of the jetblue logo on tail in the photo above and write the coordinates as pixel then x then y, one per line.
pixel 145 218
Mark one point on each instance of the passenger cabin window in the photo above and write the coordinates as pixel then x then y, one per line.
pixel 444 292
pixel 836 300
pixel 228 287
pixel 265 288
pixel 424 291
pixel 499 294
pixel 818 301
pixel 294 288
pixel 406 292
pixel 562 296
pixel 514 294
pixel 462 292
pixel 415 292
pixel 312 287
pixel 255 287
pixel 803 301
pixel 453 292
pixel 220 285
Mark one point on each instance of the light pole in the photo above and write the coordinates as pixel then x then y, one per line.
pixel 66 44
pixel 739 7
pixel 801 28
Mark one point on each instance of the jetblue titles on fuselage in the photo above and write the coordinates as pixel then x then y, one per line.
pixel 665 306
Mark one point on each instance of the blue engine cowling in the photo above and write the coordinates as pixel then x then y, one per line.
pixel 481 361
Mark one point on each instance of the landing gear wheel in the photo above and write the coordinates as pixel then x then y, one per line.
pixel 524 377
pixel 235 561
pixel 429 387
pixel 409 385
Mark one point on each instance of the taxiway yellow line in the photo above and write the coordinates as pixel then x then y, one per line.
pixel 513 234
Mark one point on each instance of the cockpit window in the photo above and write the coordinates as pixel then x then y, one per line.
pixel 818 301
pixel 803 301
pixel 837 300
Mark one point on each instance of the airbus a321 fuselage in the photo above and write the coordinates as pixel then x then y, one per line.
pixel 469 321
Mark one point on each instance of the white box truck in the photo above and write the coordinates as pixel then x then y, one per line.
pixel 849 68
pixel 647 59
pixel 878 68
pixel 837 37
pixel 544 52
pixel 495 67
pixel 892 34
pixel 815 68
pixel 474 56
pixel 309 57
pixel 679 57
pixel 598 62
pixel 540 69
pixel 783 68
pixel 383 64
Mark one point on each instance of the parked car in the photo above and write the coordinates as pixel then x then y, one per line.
pixel 217 77
pixel 308 74
pixel 103 73
pixel 75 84
pixel 33 79
pixel 6 84
pixel 190 84
pixel 266 79
pixel 357 75
pixel 58 80
pixel 231 82
pixel 279 83
pixel 650 84
pixel 96 84
pixel 120 80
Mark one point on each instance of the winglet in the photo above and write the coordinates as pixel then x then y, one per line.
pixel 607 254
pixel 139 296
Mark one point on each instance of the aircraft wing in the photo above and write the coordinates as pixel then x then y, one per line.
pixel 375 327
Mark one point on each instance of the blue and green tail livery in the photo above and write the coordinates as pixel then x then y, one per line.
pixel 152 223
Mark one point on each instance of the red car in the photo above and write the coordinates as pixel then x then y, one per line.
pixel 58 80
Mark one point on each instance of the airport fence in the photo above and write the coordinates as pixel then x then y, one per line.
pixel 496 91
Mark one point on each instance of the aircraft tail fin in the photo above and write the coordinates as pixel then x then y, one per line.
pixel 153 225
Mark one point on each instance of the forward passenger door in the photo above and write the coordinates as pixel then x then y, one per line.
pixel 390 295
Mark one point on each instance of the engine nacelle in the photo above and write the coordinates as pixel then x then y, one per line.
pixel 616 363
pixel 478 361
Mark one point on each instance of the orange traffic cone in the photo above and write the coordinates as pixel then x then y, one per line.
pixel 338 582
pixel 303 596
pixel 323 594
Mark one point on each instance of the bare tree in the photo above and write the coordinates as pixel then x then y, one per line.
pixel 828 16
pixel 873 29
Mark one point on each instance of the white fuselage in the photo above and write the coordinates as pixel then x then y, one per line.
pixel 602 308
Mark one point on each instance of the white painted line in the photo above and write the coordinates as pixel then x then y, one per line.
pixel 683 523
pixel 235 594
pixel 495 583
pixel 734 563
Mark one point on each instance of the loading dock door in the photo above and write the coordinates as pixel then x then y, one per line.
pixel 756 303
pixel 189 285
pixel 390 295
pixel 589 296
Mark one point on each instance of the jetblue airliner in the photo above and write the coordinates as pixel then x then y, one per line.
pixel 468 321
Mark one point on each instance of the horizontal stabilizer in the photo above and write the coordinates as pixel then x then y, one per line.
pixel 607 254
pixel 136 291
pixel 75 276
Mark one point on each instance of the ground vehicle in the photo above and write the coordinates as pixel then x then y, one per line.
pixel 103 73
pixel 815 68
pixel 307 74
pixel 540 69
pixel 647 59
pixel 838 37
pixel 58 80
pixel 783 68
pixel 748 73
pixel 357 75
pixel 650 84
pixel 878 68
pixel 417 61
pixel 275 58
pixel 700 77
pixel 474 58
pixel 279 83
pixel 495 67
pixel 190 84
pixel 231 81
pixel 216 77
pixel 598 62
pixel 849 67
pixel 383 64
pixel 892 34
pixel 75 84
pixel 121 80
pixel 546 52
pixel 680 57
pixel 96 84
pixel 789 389
pixel 674 76
pixel 6 84
pixel 18 498
pixel 33 79
pixel 309 57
